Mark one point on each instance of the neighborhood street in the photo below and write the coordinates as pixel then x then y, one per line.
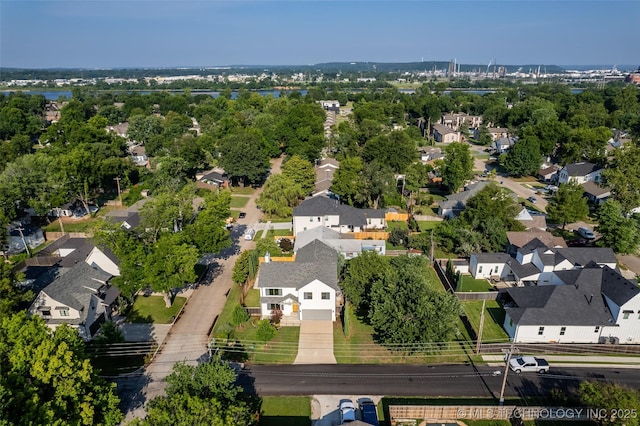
pixel 188 337
pixel 422 380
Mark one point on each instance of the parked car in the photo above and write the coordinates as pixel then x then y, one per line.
pixel 368 411
pixel 586 233
pixel 248 236
pixel 524 364
pixel 580 242
pixel 532 200
pixel 242 215
pixel 347 411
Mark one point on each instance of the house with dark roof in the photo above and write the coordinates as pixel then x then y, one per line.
pixel 328 212
pixel 455 203
pixel 594 304
pixel 517 240
pixel 213 179
pixel 503 145
pixel 306 289
pixel 80 297
pixel 325 170
pixel 596 193
pixel 580 172
pixel 549 174
pixel 535 262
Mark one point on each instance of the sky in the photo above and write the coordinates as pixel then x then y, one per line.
pixel 176 33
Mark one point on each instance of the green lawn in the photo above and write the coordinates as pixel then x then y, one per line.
pixel 471 284
pixel 152 309
pixel 285 411
pixel 252 298
pixel 82 225
pixel 493 319
pixel 397 225
pixel 239 202
pixel 279 233
pixel 247 190
pixel 282 349
pixel 360 348
pixel 426 225
pixel 281 220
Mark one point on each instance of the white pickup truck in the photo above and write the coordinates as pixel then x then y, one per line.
pixel 525 364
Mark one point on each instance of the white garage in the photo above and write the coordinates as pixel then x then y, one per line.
pixel 316 314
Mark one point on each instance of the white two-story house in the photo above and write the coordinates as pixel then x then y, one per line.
pixel 580 173
pixel 80 297
pixel 328 212
pixel 305 289
pixel 594 304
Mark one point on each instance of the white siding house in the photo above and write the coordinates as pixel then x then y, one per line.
pixel 304 289
pixel 580 173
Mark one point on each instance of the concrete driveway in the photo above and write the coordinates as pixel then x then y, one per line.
pixel 315 345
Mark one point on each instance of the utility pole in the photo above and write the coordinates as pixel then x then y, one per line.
pixel 26 246
pixel 479 342
pixel 506 371
pixel 117 179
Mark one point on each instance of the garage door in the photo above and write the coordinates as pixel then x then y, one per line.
pixel 316 314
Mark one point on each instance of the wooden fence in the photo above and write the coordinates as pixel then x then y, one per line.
pixel 279 259
pixel 51 236
pixel 396 217
pixel 371 235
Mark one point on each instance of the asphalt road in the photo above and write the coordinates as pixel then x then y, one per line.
pixel 419 380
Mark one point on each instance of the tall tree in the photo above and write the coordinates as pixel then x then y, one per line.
pixel 279 196
pixel 207 231
pixel 622 174
pixel 242 158
pixel 458 165
pixel 619 232
pixel 347 182
pixel 395 149
pixel 523 159
pixel 611 398
pixel 416 314
pixel 568 205
pixel 204 394
pixel 360 274
pixel 301 172
pixel 48 379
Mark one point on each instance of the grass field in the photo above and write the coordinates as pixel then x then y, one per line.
pixel 81 225
pixel 285 411
pixel 426 225
pixel 252 298
pixel 493 319
pixel 471 284
pixel 152 309
pixel 279 233
pixel 238 202
pixel 247 190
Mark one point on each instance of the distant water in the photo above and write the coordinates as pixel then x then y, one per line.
pixel 55 95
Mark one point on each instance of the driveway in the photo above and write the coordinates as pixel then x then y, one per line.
pixel 315 345
pixel 324 408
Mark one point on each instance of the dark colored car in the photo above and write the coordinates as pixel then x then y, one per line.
pixel 532 199
pixel 242 215
pixel 369 411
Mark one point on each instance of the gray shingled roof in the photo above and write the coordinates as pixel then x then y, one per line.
pixel 581 169
pixel 617 288
pixel 325 206
pixel 562 305
pixel 459 200
pixel 492 257
pixel 75 287
pixel 316 260
pixel 583 255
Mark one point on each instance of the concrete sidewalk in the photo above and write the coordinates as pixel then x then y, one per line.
pixel 584 361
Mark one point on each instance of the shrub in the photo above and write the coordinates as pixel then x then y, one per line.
pixel 240 315
pixel 265 331
pixel 286 245
pixel 276 316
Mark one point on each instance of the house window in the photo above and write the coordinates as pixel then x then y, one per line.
pixel 318 218
pixel 563 330
pixel 308 295
pixel 510 322
pixel 274 307
pixel 540 331
pixel 64 312
pixel 480 269
pixel 326 295
pixel 46 313
pixel 274 291
pixel 597 329
pixel 625 314
pixel 310 219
